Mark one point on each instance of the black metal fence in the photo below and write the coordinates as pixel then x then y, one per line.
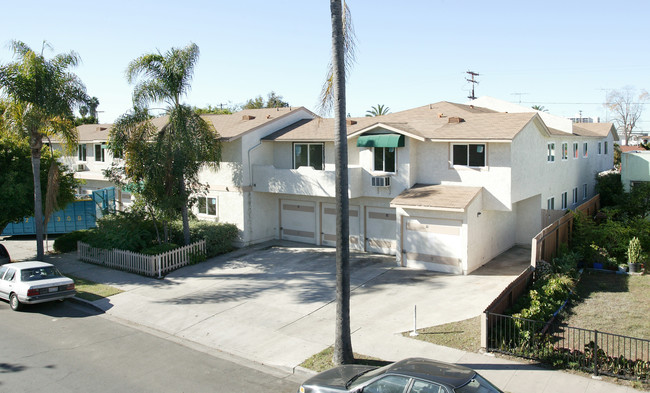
pixel 564 346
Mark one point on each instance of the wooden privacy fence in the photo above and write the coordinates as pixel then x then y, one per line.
pixel 545 246
pixel 148 265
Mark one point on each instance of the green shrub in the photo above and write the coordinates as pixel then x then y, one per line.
pixel 546 297
pixel 124 231
pixel 68 242
pixel 159 249
pixel 218 236
pixel 567 261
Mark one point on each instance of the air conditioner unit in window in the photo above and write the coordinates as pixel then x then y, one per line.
pixel 80 168
pixel 381 181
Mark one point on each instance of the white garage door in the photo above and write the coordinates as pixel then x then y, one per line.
pixel 380 230
pixel 298 221
pixel 434 244
pixel 329 226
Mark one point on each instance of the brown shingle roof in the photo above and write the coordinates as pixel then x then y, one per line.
pixel 93 132
pixel 438 197
pixel 427 122
pixel 600 130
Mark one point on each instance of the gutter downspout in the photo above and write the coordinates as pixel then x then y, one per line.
pixel 249 207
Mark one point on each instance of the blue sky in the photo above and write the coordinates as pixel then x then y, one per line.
pixel 557 54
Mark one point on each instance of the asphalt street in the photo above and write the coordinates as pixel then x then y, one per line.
pixel 66 347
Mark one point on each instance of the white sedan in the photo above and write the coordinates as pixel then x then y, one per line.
pixel 33 282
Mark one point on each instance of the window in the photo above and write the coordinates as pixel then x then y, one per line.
pixel 551 152
pixel 550 203
pixel 600 148
pixel 82 152
pixel 565 200
pixel 388 384
pixel 584 150
pixel 584 191
pixel 385 159
pixel 208 206
pixel 575 195
pixel 426 387
pixel 308 154
pixel 468 155
pixel 565 151
pixel 575 149
pixel 99 152
pixel 605 147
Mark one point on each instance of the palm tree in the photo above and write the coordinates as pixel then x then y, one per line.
pixel 333 96
pixel 43 94
pixel 166 78
pixel 539 108
pixel 378 110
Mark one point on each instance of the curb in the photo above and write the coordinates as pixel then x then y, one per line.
pixel 85 302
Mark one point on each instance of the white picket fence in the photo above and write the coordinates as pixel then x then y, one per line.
pixel 148 265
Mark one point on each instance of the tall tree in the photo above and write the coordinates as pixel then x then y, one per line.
pixel 273 100
pixel 378 110
pixel 186 142
pixel 627 107
pixel 539 108
pixel 333 96
pixel 45 93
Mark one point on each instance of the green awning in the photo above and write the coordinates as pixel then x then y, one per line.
pixel 381 140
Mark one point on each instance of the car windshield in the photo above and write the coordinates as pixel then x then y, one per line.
pixel 364 377
pixel 39 273
pixel 478 384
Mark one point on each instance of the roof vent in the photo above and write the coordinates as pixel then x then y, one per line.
pixel 102 128
pixel 456 119
pixel 350 122
pixel 441 115
pixel 247 117
pixel 268 116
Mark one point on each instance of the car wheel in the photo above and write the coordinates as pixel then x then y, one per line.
pixel 14 302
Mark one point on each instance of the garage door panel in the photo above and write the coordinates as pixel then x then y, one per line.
pixel 381 230
pixel 298 221
pixel 433 244
pixel 329 226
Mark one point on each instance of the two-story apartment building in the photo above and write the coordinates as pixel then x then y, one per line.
pixel 445 186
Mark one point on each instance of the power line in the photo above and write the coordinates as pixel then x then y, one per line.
pixel 575 103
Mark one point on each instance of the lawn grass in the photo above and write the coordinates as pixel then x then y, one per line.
pixel 464 335
pixel 323 360
pixel 612 303
pixel 90 290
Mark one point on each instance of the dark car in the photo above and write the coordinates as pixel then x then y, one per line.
pixel 413 375
pixel 4 255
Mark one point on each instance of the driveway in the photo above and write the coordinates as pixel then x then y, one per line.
pixel 275 304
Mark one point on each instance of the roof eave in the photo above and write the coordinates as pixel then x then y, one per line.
pixel 387 127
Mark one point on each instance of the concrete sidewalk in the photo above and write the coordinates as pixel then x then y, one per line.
pixel 251 304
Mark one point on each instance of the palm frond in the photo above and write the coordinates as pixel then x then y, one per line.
pixel 52 191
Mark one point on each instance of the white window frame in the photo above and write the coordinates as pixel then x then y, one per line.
pixel 585 150
pixel 203 206
pixel 565 200
pixel 575 195
pixel 606 150
pixel 550 203
pixel 383 161
pixel 84 148
pixel 485 159
pixel 576 150
pixel 584 192
pixel 307 144
pixel 550 152
pixel 565 151
pixel 102 154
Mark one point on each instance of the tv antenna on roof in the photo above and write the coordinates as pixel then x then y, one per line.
pixel 519 94
pixel 473 81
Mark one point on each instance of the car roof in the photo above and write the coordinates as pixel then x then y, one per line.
pixel 27 264
pixel 427 369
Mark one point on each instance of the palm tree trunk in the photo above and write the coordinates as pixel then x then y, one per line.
pixel 185 214
pixel 343 342
pixel 36 144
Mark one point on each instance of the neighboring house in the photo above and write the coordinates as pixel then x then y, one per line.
pixel 635 168
pixel 445 187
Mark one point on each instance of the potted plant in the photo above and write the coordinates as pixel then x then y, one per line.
pixel 634 255
pixel 622 268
